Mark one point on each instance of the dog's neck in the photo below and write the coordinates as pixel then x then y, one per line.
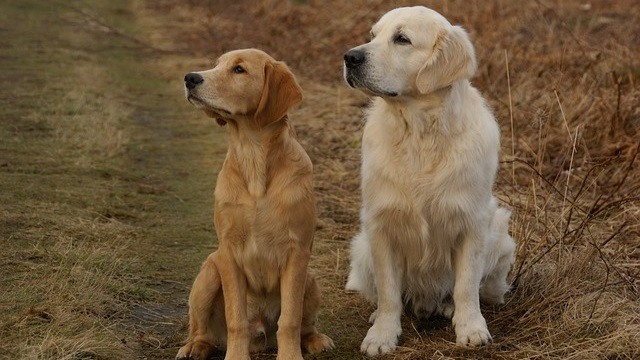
pixel 252 149
pixel 429 112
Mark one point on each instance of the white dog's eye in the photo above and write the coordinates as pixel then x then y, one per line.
pixel 401 40
pixel 238 69
pixel 371 35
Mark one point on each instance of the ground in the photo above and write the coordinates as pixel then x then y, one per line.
pixel 107 173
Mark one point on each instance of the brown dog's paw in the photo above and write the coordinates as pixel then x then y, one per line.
pixel 316 342
pixel 195 350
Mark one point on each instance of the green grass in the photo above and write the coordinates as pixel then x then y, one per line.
pixel 106 187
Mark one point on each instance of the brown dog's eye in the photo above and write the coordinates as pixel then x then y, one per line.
pixel 238 69
pixel 402 40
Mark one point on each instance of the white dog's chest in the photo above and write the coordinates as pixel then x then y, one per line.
pixel 415 168
pixel 435 173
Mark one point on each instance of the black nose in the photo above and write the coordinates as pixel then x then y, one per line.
pixel 191 80
pixel 353 58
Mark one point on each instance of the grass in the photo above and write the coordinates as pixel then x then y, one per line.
pixel 96 173
pixel 59 277
pixel 107 174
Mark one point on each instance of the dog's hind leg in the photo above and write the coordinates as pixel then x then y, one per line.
pixel 311 340
pixel 206 313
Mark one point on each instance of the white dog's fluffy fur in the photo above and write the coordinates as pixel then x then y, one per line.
pixel 432 235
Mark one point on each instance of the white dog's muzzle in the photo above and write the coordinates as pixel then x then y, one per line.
pixel 357 73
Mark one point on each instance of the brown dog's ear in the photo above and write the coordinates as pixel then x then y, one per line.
pixel 279 93
pixel 453 59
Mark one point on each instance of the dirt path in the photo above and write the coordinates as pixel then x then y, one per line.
pixel 107 179
pixel 173 155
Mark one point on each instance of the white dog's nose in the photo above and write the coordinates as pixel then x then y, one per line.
pixel 354 58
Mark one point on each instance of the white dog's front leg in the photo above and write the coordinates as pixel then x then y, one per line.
pixel 382 337
pixel 471 328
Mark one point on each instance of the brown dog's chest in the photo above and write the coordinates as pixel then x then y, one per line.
pixel 262 264
pixel 260 237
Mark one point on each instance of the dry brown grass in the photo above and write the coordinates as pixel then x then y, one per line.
pixel 562 78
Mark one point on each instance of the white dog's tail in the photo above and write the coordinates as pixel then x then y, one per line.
pixel 500 224
pixel 501 249
pixel 361 274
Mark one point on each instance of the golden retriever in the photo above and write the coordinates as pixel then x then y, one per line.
pixel 256 286
pixel 432 235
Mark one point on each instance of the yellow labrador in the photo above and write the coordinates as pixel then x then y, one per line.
pixel 432 235
pixel 264 217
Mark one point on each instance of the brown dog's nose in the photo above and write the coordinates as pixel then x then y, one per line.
pixel 191 80
pixel 353 58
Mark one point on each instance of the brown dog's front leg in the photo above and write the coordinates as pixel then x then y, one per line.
pixel 234 289
pixel 292 287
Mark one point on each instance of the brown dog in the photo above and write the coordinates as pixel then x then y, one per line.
pixel 264 217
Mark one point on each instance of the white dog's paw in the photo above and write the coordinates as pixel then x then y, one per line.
pixel 472 331
pixel 381 338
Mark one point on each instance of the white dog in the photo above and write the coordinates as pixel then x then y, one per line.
pixel 432 235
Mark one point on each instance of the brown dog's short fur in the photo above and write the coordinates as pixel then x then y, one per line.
pixel 264 217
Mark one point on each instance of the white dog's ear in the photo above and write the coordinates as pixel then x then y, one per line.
pixel 452 59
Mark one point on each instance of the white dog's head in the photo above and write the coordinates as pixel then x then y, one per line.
pixel 413 50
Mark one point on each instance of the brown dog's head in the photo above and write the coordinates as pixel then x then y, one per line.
pixel 244 84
